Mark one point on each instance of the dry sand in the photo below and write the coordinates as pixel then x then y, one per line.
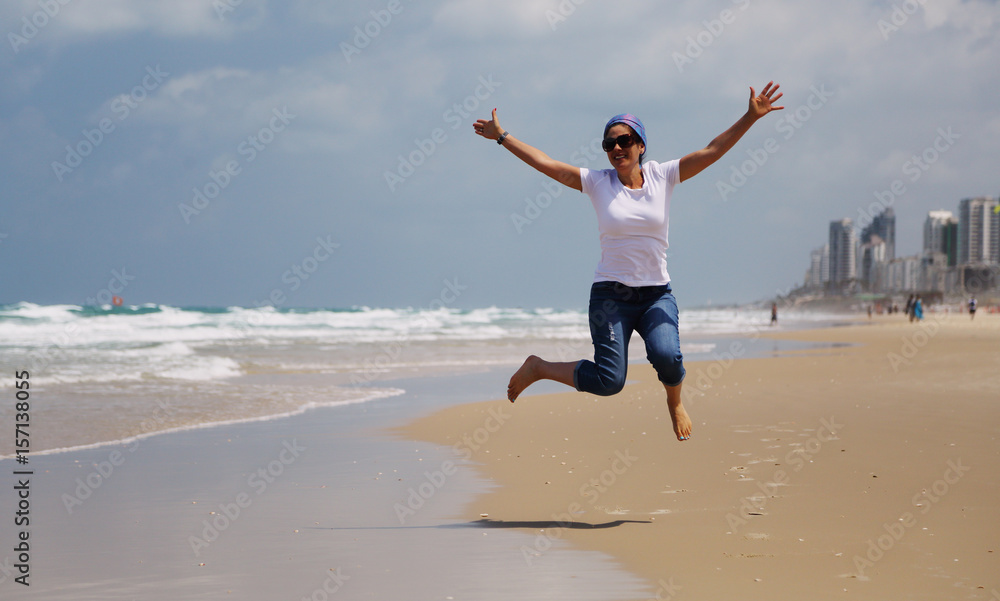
pixel 867 471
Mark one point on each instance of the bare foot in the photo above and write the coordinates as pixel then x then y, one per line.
pixel 525 376
pixel 682 423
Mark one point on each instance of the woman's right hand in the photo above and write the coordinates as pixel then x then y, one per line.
pixel 488 128
pixel 563 173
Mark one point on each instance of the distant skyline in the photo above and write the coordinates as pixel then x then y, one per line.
pixel 959 254
pixel 320 154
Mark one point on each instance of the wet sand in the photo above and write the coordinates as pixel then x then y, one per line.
pixel 307 506
pixel 865 470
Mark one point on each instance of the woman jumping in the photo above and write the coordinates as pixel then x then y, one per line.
pixel 631 289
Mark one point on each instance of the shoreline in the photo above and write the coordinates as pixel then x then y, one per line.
pixel 135 439
pixel 288 508
pixel 144 409
pixel 808 475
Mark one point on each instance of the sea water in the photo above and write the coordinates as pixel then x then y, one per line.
pixel 104 374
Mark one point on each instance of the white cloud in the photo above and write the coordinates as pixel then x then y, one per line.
pixel 976 17
pixel 221 103
pixel 477 20
pixel 75 20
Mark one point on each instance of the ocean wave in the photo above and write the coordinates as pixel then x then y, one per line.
pixel 27 325
pixel 77 344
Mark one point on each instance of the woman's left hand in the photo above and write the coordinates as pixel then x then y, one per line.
pixel 763 103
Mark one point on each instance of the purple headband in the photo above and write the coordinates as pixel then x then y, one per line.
pixel 630 120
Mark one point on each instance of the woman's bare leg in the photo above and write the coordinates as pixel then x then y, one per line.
pixel 534 369
pixel 678 415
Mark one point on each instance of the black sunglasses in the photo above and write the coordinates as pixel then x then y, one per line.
pixel 624 140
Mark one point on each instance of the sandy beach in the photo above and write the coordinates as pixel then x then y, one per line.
pixel 856 461
pixel 301 507
pixel 866 470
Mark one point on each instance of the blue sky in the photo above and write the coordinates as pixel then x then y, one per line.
pixel 312 153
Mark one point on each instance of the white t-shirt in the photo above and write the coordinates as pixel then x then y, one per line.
pixel 633 223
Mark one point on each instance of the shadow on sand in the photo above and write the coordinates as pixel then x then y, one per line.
pixel 486 523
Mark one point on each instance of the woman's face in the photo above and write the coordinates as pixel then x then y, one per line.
pixel 624 159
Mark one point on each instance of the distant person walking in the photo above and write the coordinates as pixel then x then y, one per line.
pixel 774 313
pixel 631 288
pixel 918 309
pixel 972 308
pixel 909 307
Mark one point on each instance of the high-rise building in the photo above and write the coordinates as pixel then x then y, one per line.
pixel 883 225
pixel 934 230
pixel 819 267
pixel 978 231
pixel 941 235
pixel 824 264
pixel 842 252
pixel 949 242
pixel 994 215
pixel 870 255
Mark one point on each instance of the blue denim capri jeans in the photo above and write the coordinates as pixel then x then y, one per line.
pixel 617 310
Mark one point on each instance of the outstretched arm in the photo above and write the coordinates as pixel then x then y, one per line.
pixel 760 105
pixel 564 173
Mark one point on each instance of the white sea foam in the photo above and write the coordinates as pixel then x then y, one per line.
pixel 86 359
pixel 121 344
pixel 28 325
